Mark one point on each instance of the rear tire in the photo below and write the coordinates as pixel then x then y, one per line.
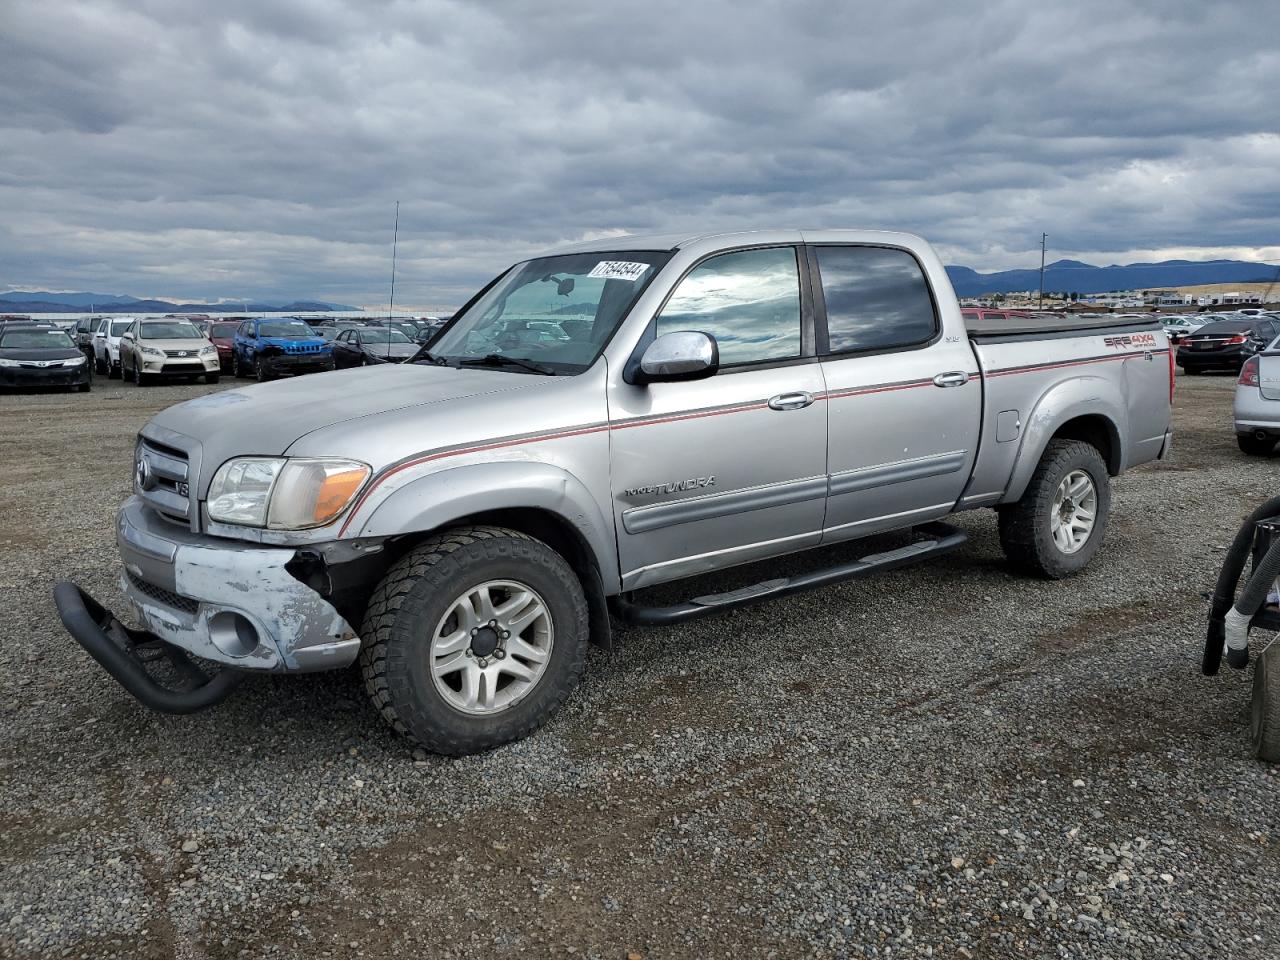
pixel 1264 708
pixel 418 601
pixel 1027 528
pixel 1253 446
pixel 1191 371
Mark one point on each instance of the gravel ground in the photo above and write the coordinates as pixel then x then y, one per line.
pixel 947 761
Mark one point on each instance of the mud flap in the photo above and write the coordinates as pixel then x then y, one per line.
pixel 125 654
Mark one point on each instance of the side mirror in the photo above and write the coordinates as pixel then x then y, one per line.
pixel 683 355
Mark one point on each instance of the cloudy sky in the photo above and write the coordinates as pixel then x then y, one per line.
pixel 250 148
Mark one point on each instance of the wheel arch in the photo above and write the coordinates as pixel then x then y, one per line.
pixel 1086 409
pixel 541 500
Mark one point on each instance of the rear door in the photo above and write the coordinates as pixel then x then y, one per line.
pixel 904 403
pixel 731 468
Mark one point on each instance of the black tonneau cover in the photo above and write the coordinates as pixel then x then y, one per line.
pixel 1036 328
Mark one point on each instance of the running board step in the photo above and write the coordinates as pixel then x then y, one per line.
pixel 941 538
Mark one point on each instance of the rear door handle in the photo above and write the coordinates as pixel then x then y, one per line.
pixel 791 401
pixel 956 378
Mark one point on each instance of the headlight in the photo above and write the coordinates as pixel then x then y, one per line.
pixel 284 493
pixel 73 362
pixel 208 351
pixel 151 351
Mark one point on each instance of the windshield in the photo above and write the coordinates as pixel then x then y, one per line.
pixel 555 311
pixel 223 331
pixel 289 329
pixel 383 336
pixel 35 340
pixel 120 326
pixel 178 330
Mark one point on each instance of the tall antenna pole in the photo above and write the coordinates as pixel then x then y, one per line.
pixel 395 240
pixel 1043 238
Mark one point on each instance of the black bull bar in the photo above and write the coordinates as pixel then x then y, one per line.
pixel 125 653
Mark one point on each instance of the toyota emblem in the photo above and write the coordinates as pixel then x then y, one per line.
pixel 146 479
pixel 182 353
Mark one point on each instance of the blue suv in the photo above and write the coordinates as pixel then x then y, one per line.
pixel 265 348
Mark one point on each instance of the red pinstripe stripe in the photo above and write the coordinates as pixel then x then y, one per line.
pixel 698 415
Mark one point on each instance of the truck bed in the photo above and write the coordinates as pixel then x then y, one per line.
pixel 1029 328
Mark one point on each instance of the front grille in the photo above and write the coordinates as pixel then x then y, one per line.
pixel 306 348
pixel 167 491
pixel 161 595
pixel 182 353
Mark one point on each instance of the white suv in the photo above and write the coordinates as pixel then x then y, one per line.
pixel 106 345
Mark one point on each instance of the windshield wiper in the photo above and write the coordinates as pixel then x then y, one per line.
pixel 424 354
pixel 501 360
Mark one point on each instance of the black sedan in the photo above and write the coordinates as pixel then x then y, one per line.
pixel 41 355
pixel 1226 344
pixel 365 346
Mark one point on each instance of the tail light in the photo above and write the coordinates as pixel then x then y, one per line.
pixel 1172 379
pixel 1249 373
pixel 1238 338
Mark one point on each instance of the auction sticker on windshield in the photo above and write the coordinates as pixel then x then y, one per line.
pixel 618 270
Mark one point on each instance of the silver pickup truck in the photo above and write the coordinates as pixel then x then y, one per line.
pixel 607 417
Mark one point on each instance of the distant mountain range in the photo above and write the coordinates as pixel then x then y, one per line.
pixel 1061 275
pixel 1074 276
pixel 22 301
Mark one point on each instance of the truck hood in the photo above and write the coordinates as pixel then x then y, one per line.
pixel 265 419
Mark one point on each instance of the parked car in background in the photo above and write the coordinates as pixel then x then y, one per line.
pixel 106 344
pixel 267 348
pixel 167 348
pixel 222 334
pixel 42 355
pixel 1257 403
pixel 1178 326
pixel 983 313
pixel 86 329
pixel 330 331
pixel 363 347
pixel 1225 344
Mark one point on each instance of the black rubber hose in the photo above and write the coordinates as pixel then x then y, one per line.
pixel 1224 592
pixel 1251 599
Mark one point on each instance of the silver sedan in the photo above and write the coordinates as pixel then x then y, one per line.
pixel 1257 406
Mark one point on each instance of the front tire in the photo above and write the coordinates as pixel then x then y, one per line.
pixel 115 369
pixel 474 639
pixel 1057 526
pixel 212 378
pixel 260 371
pixel 1255 447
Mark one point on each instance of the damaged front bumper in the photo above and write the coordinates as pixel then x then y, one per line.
pixel 232 602
pixel 204 598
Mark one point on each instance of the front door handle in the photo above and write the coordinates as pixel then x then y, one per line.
pixel 956 378
pixel 791 401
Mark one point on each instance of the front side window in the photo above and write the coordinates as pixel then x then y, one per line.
pixel 748 300
pixel 877 299
pixel 556 312
pixel 118 327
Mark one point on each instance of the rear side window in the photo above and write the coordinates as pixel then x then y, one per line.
pixel 877 299
pixel 748 300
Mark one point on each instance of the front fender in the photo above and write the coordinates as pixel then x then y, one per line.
pixel 437 499
pixel 1061 403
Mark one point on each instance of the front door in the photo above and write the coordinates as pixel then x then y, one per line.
pixel 713 472
pixel 904 404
